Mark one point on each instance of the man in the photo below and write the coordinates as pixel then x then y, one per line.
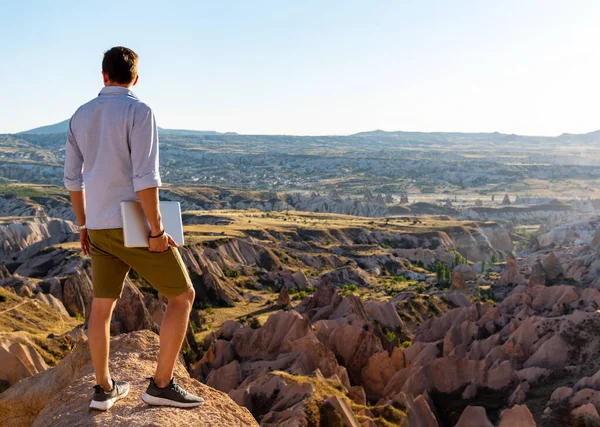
pixel 112 149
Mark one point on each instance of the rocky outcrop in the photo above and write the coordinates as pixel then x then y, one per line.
pixel 419 413
pixel 575 233
pixel 274 338
pixel 78 292
pixel 376 374
pixel 467 273
pixel 284 298
pixel 511 274
pixel 474 416
pixel 60 395
pixel 586 415
pixel 458 281
pixel 18 361
pixel 53 302
pixel 131 313
pixel 538 275
pixel 226 378
pixel 343 410
pixel 35 233
pixel 552 267
pixel 517 416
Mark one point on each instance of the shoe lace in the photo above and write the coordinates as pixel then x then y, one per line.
pixel 179 389
pixel 174 386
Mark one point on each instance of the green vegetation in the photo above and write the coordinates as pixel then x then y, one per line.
pixel 459 260
pixel 248 284
pixel 197 329
pixel 494 258
pixel 486 295
pixel 406 344
pixel 299 296
pixel 443 274
pixel 251 321
pixel 231 273
pixel 3 298
pixel 32 190
pixel 399 279
pixel 421 289
pixel 348 289
pixel 390 336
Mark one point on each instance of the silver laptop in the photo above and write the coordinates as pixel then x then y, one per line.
pixel 136 227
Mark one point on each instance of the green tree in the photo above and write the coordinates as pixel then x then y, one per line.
pixel 443 274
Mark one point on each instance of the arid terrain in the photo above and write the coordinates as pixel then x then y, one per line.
pixel 415 280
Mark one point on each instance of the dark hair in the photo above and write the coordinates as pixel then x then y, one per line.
pixel 120 63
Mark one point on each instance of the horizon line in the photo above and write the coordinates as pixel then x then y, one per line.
pixel 316 135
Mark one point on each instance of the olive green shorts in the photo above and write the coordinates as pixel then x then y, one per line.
pixel 111 262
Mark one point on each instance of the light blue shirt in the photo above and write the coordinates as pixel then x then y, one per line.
pixel 112 152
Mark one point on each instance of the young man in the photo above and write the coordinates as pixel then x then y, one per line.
pixel 112 148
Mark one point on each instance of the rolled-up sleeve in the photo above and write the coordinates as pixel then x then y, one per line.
pixel 73 174
pixel 143 142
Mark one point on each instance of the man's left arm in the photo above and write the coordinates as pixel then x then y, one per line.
pixel 73 180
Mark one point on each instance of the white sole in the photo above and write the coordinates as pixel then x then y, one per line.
pixel 107 404
pixel 159 401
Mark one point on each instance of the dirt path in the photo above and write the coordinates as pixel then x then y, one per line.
pixel 13 307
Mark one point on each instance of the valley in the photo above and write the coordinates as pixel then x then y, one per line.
pixel 376 279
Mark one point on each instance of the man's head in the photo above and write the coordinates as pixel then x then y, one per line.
pixel 119 67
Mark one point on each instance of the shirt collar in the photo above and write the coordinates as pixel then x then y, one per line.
pixel 117 90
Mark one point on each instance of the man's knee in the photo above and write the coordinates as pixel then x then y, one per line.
pixel 103 307
pixel 186 298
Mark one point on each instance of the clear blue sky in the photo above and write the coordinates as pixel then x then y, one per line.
pixel 313 67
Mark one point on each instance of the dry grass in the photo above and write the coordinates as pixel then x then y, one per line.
pixel 30 322
pixel 245 221
pixel 326 388
pixel 258 309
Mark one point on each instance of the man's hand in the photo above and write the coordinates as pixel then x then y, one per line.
pixel 161 244
pixel 85 243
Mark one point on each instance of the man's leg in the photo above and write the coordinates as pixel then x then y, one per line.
pixel 166 272
pixel 99 339
pixel 172 333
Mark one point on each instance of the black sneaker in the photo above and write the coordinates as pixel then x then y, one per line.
pixel 104 400
pixel 171 395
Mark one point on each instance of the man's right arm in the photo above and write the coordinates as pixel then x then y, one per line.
pixel 149 200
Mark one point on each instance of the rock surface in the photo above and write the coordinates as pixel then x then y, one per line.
pixel 511 274
pixel 474 416
pixel 517 416
pixel 284 298
pixel 60 395
pixel 18 361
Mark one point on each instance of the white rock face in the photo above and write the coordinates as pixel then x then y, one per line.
pixel 575 233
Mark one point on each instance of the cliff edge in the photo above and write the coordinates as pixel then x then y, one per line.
pixel 60 395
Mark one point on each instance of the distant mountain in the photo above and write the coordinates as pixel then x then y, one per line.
pixel 584 137
pixel 391 136
pixel 63 126
pixel 193 132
